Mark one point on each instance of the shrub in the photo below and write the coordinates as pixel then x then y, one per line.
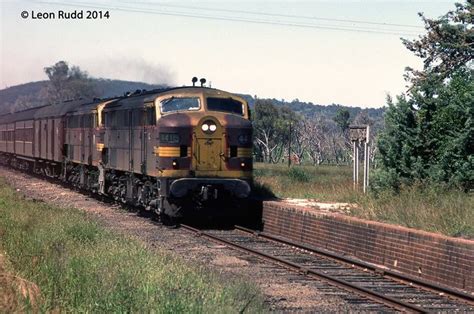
pixel 298 175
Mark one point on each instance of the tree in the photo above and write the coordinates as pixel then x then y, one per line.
pixel 316 138
pixel 265 134
pixel 342 119
pixel 448 44
pixel 67 83
pixel 397 145
pixel 272 129
pixel 429 132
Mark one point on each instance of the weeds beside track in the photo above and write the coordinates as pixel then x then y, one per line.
pixel 79 266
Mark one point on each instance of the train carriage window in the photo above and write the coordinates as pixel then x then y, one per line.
pixel 178 104
pixel 225 105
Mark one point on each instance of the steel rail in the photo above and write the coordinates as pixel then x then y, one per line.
pixel 372 295
pixel 447 291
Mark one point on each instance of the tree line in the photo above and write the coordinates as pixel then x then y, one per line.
pixel 281 133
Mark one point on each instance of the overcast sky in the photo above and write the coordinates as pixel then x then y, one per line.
pixel 346 52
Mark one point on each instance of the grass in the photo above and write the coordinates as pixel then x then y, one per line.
pixel 324 183
pixel 434 209
pixel 71 264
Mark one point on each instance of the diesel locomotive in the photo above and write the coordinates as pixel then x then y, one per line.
pixel 174 151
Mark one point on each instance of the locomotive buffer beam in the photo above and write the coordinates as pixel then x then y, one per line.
pixel 185 186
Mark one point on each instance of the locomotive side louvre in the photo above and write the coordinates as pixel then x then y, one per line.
pixel 79 131
pixel 129 125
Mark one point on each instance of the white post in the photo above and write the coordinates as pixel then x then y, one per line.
pixel 357 163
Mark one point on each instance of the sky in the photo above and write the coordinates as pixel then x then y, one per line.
pixel 345 52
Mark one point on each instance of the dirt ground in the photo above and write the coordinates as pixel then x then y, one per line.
pixel 282 292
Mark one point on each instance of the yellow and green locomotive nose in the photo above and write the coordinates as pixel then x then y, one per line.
pixel 209 145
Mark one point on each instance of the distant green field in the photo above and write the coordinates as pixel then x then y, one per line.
pixel 433 209
pixel 68 263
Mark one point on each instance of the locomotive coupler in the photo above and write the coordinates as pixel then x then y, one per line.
pixel 206 191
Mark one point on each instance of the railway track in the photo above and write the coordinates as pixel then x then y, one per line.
pixel 362 284
pixel 381 290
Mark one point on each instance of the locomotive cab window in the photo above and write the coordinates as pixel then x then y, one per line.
pixel 225 105
pixel 180 104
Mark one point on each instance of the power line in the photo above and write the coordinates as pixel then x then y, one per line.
pixel 276 14
pixel 232 19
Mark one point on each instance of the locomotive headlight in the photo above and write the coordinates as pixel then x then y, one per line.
pixel 209 126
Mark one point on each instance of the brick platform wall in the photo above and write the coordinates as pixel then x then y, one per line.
pixel 441 259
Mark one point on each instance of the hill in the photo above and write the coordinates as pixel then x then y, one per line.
pixel 26 95
pixel 310 110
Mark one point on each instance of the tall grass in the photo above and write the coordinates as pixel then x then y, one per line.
pixel 78 266
pixel 325 183
pixel 430 208
pixel 435 209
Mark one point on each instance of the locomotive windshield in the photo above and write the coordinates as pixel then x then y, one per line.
pixel 182 103
pixel 225 105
